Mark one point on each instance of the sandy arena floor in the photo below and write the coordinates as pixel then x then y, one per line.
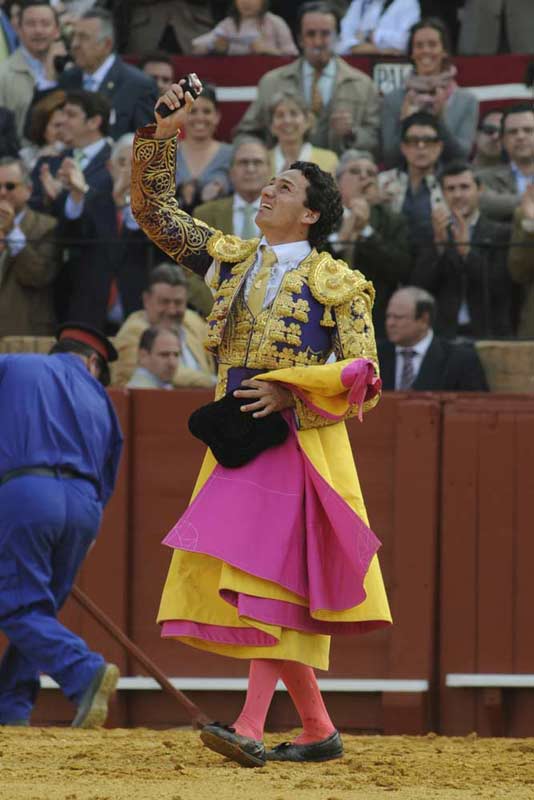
pixel 60 764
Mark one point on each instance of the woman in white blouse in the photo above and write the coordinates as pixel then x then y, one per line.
pixel 377 26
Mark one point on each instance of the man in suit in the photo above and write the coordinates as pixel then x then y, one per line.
pixel 86 210
pixel 249 172
pixel 131 92
pixel 159 351
pixel 414 359
pixel 344 101
pixel 465 266
pixel 372 238
pixel 480 33
pixel 505 184
pixel 165 305
pixel 28 67
pixel 29 260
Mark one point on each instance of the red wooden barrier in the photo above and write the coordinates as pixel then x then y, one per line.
pixel 487 552
pixel 397 455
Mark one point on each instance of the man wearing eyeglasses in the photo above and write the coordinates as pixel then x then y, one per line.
pixel 505 184
pixel 415 191
pixel 249 172
pixel 488 141
pixel 29 259
pixel 372 238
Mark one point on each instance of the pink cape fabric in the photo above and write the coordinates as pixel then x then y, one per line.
pixel 278 519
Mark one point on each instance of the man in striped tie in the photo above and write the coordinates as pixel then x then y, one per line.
pixel 414 358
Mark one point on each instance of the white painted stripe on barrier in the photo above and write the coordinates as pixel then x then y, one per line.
pixel 504 91
pixel 141 683
pixel 489 681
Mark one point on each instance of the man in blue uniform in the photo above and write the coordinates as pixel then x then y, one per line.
pixel 60 444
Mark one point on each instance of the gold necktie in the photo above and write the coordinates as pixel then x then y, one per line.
pixel 256 295
pixel 316 96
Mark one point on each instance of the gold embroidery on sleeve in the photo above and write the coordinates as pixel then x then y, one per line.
pixel 154 204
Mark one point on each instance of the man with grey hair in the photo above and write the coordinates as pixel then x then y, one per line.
pixel 372 237
pixel 98 68
pixel 29 259
pixel 414 359
pixel 249 172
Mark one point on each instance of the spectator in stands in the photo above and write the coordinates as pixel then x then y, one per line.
pixel 344 101
pixel 465 266
pixel 377 27
pixel 165 304
pixel 488 142
pixel 290 122
pixel 159 350
pixel 372 238
pixel 167 24
pixel 29 66
pixel 415 192
pixel 45 129
pixel 202 162
pixel 431 87
pixel 485 23
pixel 505 184
pixel 81 187
pixel 521 260
pixel 249 172
pixel 132 94
pixel 160 67
pixel 29 260
pixel 414 359
pixel 249 28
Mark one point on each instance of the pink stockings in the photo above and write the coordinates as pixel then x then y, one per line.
pixel 302 686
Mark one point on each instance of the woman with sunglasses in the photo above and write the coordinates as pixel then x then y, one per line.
pixel 431 87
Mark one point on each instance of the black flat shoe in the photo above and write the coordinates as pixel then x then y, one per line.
pixel 224 740
pixel 325 750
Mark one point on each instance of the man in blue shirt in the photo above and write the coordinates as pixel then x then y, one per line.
pixel 60 444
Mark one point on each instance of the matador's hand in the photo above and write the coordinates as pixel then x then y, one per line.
pixel 267 396
pixel 174 98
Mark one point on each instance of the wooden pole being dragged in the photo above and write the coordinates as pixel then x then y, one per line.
pixel 198 718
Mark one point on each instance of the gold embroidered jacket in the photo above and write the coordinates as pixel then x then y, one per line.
pixel 321 307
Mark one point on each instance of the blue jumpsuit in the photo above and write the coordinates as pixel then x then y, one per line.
pixel 53 413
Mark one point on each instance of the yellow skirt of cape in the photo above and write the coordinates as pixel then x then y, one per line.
pixel 191 591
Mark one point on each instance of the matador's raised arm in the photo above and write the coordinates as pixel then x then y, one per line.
pixel 154 205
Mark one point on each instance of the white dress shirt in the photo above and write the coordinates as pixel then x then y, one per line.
pixel 238 217
pixel 97 77
pixel 420 352
pixel 289 256
pixel 390 29
pixel 75 210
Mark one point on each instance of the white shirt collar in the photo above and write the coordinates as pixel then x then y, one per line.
pixel 99 74
pixel 421 347
pixel 91 150
pixel 328 71
pixel 240 202
pixel 289 252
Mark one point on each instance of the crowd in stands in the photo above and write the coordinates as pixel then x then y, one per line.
pixel 438 198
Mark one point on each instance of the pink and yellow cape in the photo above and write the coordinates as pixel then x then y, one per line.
pixel 273 557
